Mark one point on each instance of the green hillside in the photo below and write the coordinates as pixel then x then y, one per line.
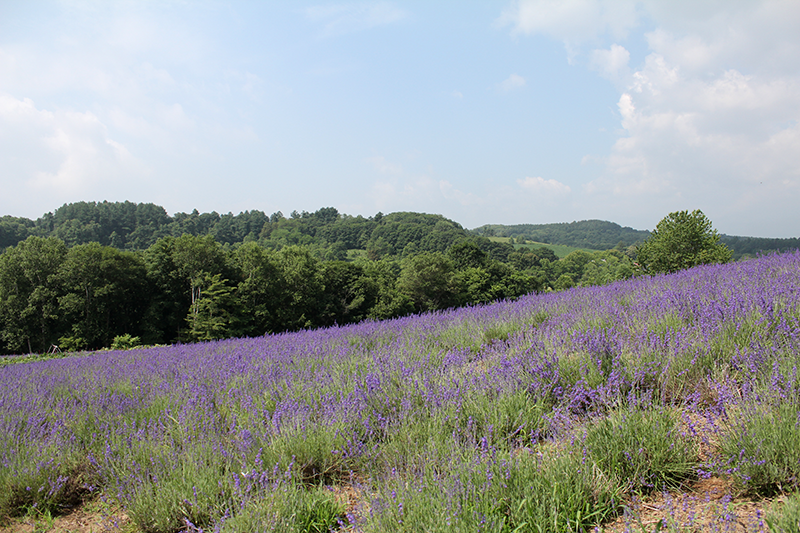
pixel 586 234
pixel 560 250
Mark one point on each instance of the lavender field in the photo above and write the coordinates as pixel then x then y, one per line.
pixel 550 413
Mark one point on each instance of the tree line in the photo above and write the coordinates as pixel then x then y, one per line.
pixel 330 234
pixel 194 288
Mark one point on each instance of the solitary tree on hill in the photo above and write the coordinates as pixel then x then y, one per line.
pixel 682 240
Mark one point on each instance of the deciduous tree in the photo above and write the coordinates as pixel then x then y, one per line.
pixel 682 240
pixel 29 291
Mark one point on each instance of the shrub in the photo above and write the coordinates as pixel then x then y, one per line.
pixel 125 342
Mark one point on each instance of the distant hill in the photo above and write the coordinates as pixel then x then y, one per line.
pixel 591 234
pixel 130 226
pixel 752 246
pixel 603 235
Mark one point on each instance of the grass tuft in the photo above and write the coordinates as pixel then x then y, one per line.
pixel 785 518
pixel 761 449
pixel 642 447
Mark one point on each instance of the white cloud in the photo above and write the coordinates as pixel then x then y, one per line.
pixel 656 76
pixel 571 21
pixel 750 35
pixel 515 81
pixel 711 144
pixel 612 63
pixel 347 18
pixel 708 118
pixel 399 189
pixel 46 153
pixel 540 185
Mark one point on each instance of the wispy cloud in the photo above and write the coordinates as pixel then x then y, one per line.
pixel 540 185
pixel 572 21
pixel 515 81
pixel 450 192
pixel 612 63
pixel 58 152
pixel 382 165
pixel 341 19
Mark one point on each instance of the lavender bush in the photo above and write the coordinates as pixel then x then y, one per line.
pixel 490 418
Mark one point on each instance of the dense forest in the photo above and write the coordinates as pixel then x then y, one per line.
pixel 91 273
pixel 329 234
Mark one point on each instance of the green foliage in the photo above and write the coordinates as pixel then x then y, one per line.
pixel 29 308
pixel 785 517
pixel 317 512
pixel 104 291
pixel 72 344
pixel 753 246
pixel 389 301
pixel 761 448
pixel 207 276
pixel 430 233
pixel 261 290
pixel 211 314
pixel 591 234
pixel 348 294
pixel 682 240
pixel 642 448
pixel 170 298
pixel 300 272
pixel 189 490
pixel 14 230
pixel 47 486
pixel 125 342
pixel 563 494
pixel 289 509
pixel 529 492
pixel 466 254
pixel 125 225
pixel 552 252
pixel 427 280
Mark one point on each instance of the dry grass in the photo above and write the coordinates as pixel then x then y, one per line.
pixel 91 517
pixel 707 505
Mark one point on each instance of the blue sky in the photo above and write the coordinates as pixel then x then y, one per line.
pixel 506 112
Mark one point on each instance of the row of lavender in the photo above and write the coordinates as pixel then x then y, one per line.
pixel 234 433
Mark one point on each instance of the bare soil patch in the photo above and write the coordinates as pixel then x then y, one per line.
pixel 707 505
pixel 89 518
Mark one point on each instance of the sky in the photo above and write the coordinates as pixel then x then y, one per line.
pixel 496 112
